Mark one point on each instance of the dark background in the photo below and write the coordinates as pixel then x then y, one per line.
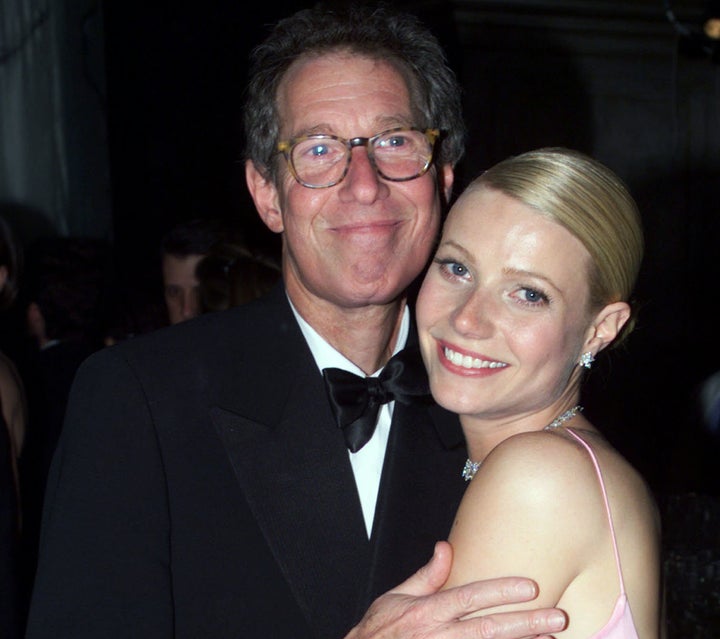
pixel 619 80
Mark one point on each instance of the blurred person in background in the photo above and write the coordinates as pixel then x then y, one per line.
pixel 61 293
pixel 13 418
pixel 181 250
pixel 232 274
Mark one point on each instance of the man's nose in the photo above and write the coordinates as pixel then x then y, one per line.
pixel 362 180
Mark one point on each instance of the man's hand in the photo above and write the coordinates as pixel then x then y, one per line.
pixel 415 609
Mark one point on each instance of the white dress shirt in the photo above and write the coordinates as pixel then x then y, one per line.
pixel 367 463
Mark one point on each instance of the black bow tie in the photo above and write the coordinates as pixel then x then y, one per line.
pixel 356 400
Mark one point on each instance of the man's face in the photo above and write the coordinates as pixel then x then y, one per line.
pixel 364 240
pixel 182 295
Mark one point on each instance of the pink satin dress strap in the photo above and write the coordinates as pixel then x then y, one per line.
pixel 621 624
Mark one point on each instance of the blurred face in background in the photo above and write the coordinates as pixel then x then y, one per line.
pixel 181 286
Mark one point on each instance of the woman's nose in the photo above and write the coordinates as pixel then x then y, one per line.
pixel 473 315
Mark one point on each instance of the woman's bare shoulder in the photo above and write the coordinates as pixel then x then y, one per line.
pixel 10 381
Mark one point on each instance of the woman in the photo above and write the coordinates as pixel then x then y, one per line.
pixel 531 281
pixel 12 431
pixel 12 395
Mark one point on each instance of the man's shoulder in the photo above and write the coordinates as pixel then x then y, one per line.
pixel 245 324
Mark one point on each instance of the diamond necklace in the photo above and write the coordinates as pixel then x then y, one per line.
pixel 471 467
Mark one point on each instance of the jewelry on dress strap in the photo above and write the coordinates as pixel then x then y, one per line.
pixel 567 415
pixel 470 469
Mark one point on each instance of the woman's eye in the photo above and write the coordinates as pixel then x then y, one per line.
pixel 455 269
pixel 533 296
pixel 458 269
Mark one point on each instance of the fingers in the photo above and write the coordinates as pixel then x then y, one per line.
pixel 481 595
pixel 529 624
pixel 401 614
pixel 471 599
pixel 418 608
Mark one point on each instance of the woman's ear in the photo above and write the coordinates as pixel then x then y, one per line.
pixel 265 196
pixel 606 326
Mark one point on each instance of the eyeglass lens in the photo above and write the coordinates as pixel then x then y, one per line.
pixel 397 155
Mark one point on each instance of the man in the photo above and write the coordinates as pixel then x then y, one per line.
pixel 202 487
pixel 182 249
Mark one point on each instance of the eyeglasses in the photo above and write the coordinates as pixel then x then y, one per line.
pixel 320 161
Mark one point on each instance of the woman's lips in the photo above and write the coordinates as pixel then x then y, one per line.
pixel 460 361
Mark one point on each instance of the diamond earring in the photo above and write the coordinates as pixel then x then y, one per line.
pixel 586 360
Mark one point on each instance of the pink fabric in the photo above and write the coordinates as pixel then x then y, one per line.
pixel 621 624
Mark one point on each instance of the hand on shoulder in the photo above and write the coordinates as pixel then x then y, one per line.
pixel 416 608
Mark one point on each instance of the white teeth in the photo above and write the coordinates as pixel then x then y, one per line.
pixel 465 361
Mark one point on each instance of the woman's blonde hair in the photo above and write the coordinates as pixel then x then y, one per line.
pixel 591 202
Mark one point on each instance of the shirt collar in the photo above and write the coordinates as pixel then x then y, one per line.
pixel 328 357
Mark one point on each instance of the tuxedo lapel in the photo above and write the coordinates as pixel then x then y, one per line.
pixel 293 469
pixel 420 491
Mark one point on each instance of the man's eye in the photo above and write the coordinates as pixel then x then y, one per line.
pixel 395 141
pixel 318 150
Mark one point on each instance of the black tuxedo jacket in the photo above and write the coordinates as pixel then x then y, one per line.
pixel 200 489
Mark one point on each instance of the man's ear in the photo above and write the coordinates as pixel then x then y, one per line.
pixel 36 322
pixel 606 326
pixel 3 276
pixel 446 178
pixel 265 196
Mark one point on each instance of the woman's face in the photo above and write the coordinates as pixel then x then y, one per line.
pixel 503 311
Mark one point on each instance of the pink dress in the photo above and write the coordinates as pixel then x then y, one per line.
pixel 621 624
